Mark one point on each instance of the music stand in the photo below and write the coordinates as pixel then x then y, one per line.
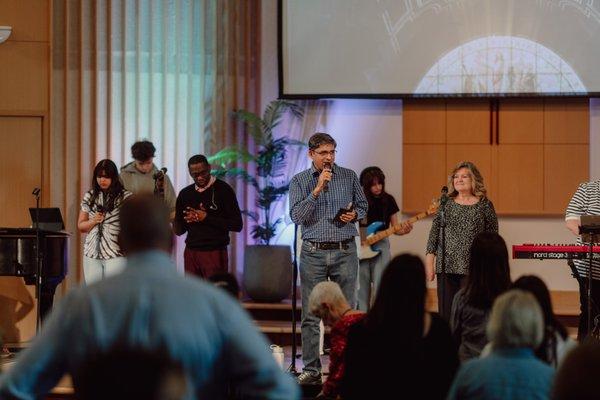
pixel 589 229
pixel 49 219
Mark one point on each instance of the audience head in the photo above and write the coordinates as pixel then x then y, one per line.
pixel 489 271
pixel 399 306
pixel 143 154
pixel 577 376
pixel 515 321
pixel 131 374
pixel 144 224
pixel 537 287
pixel 327 302
pixel 227 282
pixel 547 351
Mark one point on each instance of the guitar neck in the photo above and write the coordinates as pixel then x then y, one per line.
pixel 393 229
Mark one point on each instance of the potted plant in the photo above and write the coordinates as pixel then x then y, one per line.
pixel 267 268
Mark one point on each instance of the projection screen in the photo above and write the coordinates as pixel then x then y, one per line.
pixel 405 48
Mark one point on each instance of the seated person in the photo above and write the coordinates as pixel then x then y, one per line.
pixel 227 282
pixel 399 346
pixel 556 342
pixel 150 306
pixel 511 371
pixel 577 375
pixel 130 373
pixel 489 276
pixel 328 303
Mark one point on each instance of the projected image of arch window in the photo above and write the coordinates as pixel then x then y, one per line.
pixel 500 64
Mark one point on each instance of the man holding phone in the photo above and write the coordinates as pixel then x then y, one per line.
pixel 325 200
pixel 207 210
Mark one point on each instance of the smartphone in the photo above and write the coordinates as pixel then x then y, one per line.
pixel 343 210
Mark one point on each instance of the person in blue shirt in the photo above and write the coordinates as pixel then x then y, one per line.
pixel 150 306
pixel 325 200
pixel 511 371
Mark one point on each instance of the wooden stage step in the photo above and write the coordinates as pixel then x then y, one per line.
pixel 274 319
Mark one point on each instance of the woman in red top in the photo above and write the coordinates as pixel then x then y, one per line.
pixel 328 303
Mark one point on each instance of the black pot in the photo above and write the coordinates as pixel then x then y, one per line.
pixel 268 272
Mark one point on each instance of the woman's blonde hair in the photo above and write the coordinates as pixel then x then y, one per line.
pixel 478 188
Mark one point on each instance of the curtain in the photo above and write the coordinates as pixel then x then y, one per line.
pixel 315 120
pixel 168 71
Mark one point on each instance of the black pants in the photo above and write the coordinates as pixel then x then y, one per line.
pixel 447 286
pixel 583 306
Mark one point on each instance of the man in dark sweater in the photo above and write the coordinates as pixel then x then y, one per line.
pixel 207 210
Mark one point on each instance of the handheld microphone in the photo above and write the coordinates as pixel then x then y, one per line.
pixel 326 166
pixel 36 191
pixel 160 174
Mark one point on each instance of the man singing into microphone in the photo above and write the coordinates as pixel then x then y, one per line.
pixel 325 200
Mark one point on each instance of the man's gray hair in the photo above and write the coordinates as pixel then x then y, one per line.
pixel 324 292
pixel 516 321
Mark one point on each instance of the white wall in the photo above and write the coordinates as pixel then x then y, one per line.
pixel 369 132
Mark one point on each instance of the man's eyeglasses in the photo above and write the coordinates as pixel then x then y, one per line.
pixel 324 153
pixel 202 173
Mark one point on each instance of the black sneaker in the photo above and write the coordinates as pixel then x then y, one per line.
pixel 309 378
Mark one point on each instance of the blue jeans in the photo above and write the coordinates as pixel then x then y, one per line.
pixel 95 270
pixel 340 266
pixel 370 271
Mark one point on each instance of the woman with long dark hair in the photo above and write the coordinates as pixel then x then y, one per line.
pixel 399 347
pixel 489 276
pixel 556 342
pixel 382 209
pixel 99 218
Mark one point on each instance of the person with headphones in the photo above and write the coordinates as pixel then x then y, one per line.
pixel 383 209
pixel 207 210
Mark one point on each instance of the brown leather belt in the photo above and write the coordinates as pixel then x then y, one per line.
pixel 343 245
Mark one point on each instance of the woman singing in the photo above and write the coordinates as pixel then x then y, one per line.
pixel 99 218
pixel 467 212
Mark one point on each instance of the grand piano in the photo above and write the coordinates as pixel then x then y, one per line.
pixel 18 258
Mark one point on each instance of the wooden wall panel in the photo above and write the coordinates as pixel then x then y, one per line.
pixel 520 179
pixel 24 79
pixel 468 121
pixel 566 166
pixel 541 155
pixel 424 173
pixel 520 121
pixel 424 121
pixel 20 166
pixel 28 18
pixel 567 121
pixel 24 139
